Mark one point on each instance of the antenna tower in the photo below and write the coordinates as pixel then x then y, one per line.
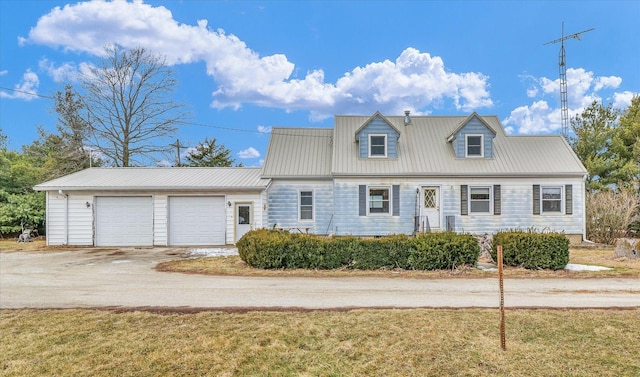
pixel 562 65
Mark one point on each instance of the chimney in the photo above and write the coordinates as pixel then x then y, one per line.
pixel 407 118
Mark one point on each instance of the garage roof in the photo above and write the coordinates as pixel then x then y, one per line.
pixel 183 178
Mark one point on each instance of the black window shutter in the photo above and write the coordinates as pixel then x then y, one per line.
pixel 464 200
pixel 568 199
pixel 497 200
pixel 396 200
pixel 362 200
pixel 536 199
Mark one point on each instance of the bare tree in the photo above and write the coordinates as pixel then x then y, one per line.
pixel 131 112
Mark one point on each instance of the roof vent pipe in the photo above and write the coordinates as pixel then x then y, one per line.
pixel 407 118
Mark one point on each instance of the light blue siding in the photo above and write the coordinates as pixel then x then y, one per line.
pixel 516 211
pixel 473 127
pixel 379 127
pixel 347 220
pixel 283 204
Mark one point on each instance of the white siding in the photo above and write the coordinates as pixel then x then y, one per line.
pixel 56 219
pixel 80 219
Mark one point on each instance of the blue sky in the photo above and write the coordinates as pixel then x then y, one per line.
pixel 246 66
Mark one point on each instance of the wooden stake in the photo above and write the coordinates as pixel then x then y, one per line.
pixel 503 343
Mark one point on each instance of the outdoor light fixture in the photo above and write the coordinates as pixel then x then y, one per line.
pixel 87 204
pixel 229 204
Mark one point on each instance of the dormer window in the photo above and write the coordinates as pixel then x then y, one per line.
pixel 377 145
pixel 474 146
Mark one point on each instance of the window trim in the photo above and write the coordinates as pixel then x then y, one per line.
pixel 466 146
pixel 313 207
pixel 561 210
pixel 386 146
pixel 389 200
pixel 489 189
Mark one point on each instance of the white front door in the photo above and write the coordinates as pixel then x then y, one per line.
pixel 244 219
pixel 430 208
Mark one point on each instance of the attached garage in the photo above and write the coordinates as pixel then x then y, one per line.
pixel 154 206
pixel 124 220
pixel 197 220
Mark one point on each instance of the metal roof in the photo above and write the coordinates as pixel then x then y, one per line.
pixel 423 150
pixel 299 152
pixel 183 178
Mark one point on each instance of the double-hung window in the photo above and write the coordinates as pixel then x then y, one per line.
pixel 551 199
pixel 306 205
pixel 377 145
pixel 474 147
pixel 379 200
pixel 480 199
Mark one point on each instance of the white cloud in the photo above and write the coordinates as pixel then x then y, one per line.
pixel 264 130
pixel 26 90
pixel 583 87
pixel 415 80
pixel 623 100
pixel 250 152
pixel 3 72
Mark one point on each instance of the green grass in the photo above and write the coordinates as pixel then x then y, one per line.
pixel 416 342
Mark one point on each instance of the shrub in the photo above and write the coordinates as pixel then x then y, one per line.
pixel 435 251
pixel 532 250
pixel 611 214
pixel 279 249
pixel 263 248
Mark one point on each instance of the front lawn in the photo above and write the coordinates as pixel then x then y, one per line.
pixel 417 342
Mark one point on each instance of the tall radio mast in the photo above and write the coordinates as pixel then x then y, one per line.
pixel 564 107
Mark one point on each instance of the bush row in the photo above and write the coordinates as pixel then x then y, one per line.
pixel 532 250
pixel 271 249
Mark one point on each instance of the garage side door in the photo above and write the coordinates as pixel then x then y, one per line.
pixel 196 220
pixel 124 221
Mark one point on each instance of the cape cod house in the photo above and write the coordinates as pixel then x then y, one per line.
pixel 367 176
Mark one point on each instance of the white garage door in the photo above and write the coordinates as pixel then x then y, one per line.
pixel 196 220
pixel 124 221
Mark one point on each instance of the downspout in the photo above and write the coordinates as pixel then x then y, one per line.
pixel 584 209
pixel 66 216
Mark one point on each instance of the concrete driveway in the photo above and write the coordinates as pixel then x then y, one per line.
pixel 126 277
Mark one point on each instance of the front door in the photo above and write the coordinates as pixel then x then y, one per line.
pixel 243 219
pixel 430 211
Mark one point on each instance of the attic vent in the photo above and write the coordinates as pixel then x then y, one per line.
pixel 407 118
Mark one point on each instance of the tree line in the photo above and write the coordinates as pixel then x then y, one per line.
pixel 607 141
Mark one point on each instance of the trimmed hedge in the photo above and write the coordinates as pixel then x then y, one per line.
pixel 271 249
pixel 532 250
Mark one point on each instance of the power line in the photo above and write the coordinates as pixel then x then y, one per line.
pixel 191 123
pixel 24 92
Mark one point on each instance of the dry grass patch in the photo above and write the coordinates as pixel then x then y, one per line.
pixel 8 245
pixel 622 267
pixel 416 342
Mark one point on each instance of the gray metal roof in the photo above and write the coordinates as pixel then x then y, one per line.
pixel 299 152
pixel 423 150
pixel 183 178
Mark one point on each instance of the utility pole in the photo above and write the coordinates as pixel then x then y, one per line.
pixel 564 106
pixel 177 146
